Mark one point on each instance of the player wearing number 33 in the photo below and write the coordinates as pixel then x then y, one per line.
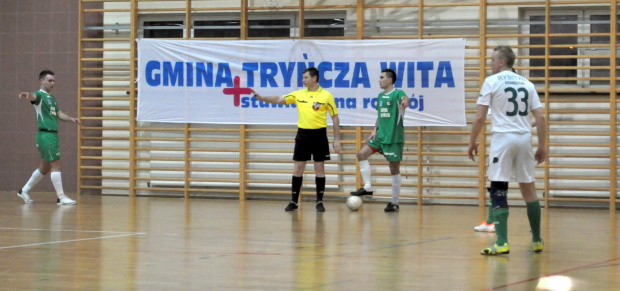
pixel 512 98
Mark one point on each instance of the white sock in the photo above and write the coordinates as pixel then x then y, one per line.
pixel 57 181
pixel 365 171
pixel 395 188
pixel 34 179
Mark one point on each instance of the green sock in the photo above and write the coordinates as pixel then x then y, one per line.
pixel 533 214
pixel 501 225
pixel 490 216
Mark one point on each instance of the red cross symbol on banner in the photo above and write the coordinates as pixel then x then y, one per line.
pixel 236 91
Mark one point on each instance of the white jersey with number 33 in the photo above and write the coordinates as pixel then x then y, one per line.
pixel 511 99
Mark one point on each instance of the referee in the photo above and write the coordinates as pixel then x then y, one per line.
pixel 313 103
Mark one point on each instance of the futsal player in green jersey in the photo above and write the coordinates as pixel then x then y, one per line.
pixel 48 114
pixel 387 138
pixel 313 104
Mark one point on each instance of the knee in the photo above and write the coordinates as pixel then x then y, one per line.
pixel 499 193
pixel 360 156
pixel 394 168
pixel 45 169
pixel 298 168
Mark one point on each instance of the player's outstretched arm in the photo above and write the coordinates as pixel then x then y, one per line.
pixel 481 117
pixel 269 99
pixel 65 117
pixel 27 95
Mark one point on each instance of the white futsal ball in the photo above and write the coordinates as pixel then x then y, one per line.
pixel 354 203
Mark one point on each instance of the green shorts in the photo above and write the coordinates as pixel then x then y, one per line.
pixel 392 152
pixel 47 143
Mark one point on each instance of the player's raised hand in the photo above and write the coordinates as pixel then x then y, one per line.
pixel 24 95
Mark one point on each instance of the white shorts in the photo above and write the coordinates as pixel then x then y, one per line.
pixel 512 152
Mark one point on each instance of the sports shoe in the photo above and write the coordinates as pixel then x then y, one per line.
pixel 361 192
pixel 484 227
pixel 291 206
pixel 64 200
pixel 24 195
pixel 391 207
pixel 320 207
pixel 538 246
pixel 496 250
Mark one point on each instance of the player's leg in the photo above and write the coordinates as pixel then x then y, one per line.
pixel 394 154
pixel 319 170
pixel 362 156
pixel 499 201
pixel 528 191
pixel 44 167
pixel 52 145
pixel 56 178
pixel 525 166
pixel 396 180
pixel 500 167
pixel 296 183
pixel 43 147
pixel 301 154
pixel 35 178
pixel 320 154
pixel 499 193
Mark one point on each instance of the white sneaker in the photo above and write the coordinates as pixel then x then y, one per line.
pixel 484 227
pixel 64 200
pixel 24 195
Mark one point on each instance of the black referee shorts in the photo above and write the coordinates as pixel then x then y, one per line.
pixel 311 144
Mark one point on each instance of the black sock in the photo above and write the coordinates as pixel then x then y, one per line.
pixel 296 187
pixel 320 188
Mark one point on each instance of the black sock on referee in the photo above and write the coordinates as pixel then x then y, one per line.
pixel 320 188
pixel 296 187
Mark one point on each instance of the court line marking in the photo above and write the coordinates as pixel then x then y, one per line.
pixel 119 234
pixel 71 240
pixel 68 230
pixel 555 274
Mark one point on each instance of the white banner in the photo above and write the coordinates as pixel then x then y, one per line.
pixel 193 81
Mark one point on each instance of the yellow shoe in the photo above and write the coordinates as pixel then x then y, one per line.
pixel 538 246
pixel 496 250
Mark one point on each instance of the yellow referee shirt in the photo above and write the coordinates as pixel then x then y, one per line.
pixel 312 107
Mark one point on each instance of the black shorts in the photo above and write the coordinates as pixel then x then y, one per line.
pixel 311 144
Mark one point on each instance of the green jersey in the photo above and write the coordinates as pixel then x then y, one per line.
pixel 390 119
pixel 47 110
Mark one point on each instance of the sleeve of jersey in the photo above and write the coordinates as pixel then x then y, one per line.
pixel 331 105
pixel 37 96
pixel 290 98
pixel 485 93
pixel 535 103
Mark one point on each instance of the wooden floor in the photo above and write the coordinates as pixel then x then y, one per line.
pixel 118 243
